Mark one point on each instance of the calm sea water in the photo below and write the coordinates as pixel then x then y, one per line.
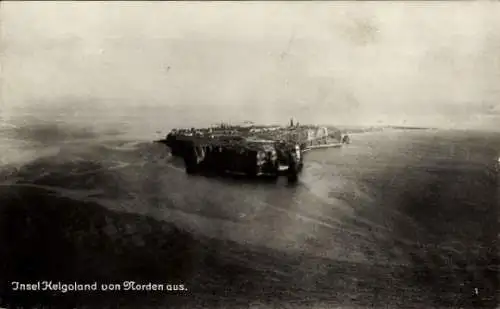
pixel 397 219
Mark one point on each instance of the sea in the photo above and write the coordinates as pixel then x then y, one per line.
pixel 399 218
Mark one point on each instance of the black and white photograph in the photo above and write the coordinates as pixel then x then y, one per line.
pixel 249 154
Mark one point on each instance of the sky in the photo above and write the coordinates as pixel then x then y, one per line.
pixel 415 63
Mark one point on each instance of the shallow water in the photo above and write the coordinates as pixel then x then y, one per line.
pixel 397 219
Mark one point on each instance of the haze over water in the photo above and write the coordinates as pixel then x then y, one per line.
pixel 419 63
